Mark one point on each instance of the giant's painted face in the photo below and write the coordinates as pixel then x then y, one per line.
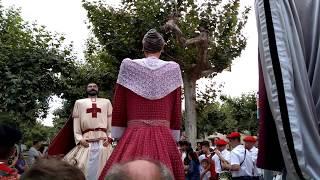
pixel 92 89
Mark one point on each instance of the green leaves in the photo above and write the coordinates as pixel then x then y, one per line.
pixel 30 59
pixel 120 31
pixel 228 114
pixel 35 64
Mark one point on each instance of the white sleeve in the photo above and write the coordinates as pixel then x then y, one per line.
pixel 109 118
pixel 255 155
pixel 202 157
pixel 216 161
pixel 35 153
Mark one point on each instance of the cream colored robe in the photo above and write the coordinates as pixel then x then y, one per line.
pixel 91 160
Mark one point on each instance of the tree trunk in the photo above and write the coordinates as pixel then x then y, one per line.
pixel 190 109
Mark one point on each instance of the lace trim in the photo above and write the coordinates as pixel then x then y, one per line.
pixel 150 78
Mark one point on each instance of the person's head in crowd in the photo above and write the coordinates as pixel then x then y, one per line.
pixel 221 145
pixel 205 164
pixel 193 156
pixel 198 145
pixel 214 141
pixel 205 147
pixel 183 145
pixel 234 139
pixel 37 144
pixel 42 147
pixel 9 136
pixel 189 145
pixel 136 170
pixel 186 160
pixel 53 169
pixel 249 142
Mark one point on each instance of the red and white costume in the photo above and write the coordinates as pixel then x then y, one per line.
pixel 147 114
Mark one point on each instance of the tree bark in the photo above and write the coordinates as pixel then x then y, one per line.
pixel 193 73
pixel 190 109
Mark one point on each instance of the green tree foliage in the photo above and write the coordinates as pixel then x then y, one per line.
pixel 35 65
pixel 209 113
pixel 241 113
pixel 37 131
pixel 32 63
pixel 227 114
pixel 202 38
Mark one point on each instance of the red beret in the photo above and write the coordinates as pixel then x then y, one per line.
pixel 249 139
pixel 234 135
pixel 221 142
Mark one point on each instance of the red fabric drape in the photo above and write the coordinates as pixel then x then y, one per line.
pixel 63 142
pixel 268 137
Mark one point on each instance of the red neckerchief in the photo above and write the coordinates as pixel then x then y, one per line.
pixel 212 168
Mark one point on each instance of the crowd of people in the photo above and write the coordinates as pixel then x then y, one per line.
pixel 223 159
pixel 218 159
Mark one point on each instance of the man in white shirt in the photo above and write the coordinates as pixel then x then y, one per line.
pixel 34 153
pixel 222 156
pixel 241 164
pixel 250 141
pixel 205 147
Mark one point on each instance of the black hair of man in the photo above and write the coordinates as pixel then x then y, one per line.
pixel 53 169
pixel 9 136
pixel 205 143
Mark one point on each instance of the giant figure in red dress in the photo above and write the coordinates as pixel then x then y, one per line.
pixel 147 109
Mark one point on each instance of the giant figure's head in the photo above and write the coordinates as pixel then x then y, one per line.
pixel 152 42
pixel 92 89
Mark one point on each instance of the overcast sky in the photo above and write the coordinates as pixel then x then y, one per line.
pixel 68 17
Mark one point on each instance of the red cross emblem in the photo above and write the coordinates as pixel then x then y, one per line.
pixel 94 110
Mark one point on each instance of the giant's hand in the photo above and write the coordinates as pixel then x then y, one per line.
pixel 107 142
pixel 84 143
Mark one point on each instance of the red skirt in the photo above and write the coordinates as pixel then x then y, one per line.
pixel 147 142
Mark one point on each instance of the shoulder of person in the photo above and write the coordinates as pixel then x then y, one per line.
pixel 226 151
pixel 215 157
pixel 238 150
pixel 126 62
pixel 105 100
pixel 173 65
pixel 81 100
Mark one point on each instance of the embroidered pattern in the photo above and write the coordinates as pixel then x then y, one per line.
pixel 139 123
pixel 150 78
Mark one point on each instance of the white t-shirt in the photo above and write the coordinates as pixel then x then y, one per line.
pixel 238 155
pixel 206 176
pixel 202 157
pixel 254 154
pixel 33 153
pixel 183 156
pixel 226 155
